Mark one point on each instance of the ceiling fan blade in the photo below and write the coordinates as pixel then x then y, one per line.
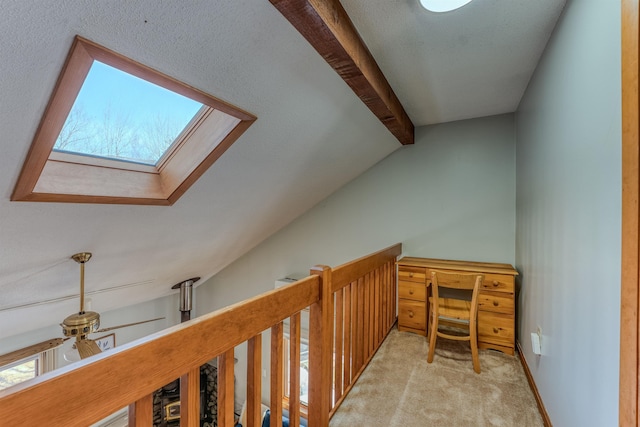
pixel 31 350
pixel 128 324
pixel 87 347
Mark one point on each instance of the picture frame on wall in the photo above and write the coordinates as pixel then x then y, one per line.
pixel 106 342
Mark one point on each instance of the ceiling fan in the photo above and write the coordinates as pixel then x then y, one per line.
pixel 78 325
pixel 83 323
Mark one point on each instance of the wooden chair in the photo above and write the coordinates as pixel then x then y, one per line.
pixel 454 302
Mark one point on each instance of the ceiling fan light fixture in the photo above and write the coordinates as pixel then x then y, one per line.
pixel 72 355
pixel 443 5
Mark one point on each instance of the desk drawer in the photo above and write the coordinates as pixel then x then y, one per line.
pixel 498 282
pixel 411 274
pixel 412 314
pixel 496 328
pixel 412 290
pixel 498 302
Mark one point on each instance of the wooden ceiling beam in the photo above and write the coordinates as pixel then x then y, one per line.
pixel 327 27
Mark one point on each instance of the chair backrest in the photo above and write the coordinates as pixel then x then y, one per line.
pixel 444 281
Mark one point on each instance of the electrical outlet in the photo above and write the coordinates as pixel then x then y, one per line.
pixel 264 373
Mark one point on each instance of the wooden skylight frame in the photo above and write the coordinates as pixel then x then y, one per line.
pixel 51 176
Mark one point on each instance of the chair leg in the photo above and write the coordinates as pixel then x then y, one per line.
pixel 433 333
pixel 428 331
pixel 474 352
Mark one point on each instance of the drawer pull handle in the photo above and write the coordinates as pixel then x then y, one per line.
pixel 496 330
pixel 411 314
pixel 410 274
pixel 496 303
pixel 410 291
pixel 496 283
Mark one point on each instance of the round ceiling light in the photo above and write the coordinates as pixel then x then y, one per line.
pixel 443 5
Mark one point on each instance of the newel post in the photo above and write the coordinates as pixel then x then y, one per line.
pixel 320 351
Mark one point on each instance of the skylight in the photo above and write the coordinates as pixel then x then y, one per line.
pixel 122 117
pixel 117 131
pixel 443 5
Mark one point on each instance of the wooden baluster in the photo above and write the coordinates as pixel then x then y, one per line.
pixel 389 301
pixel 354 329
pixel 294 371
pixel 360 326
pixel 347 335
pixel 394 292
pixel 320 349
pixel 381 320
pixel 365 342
pixel 386 303
pixel 372 293
pixel 190 398
pixel 141 412
pixel 277 373
pixel 337 382
pixel 254 384
pixel 226 416
pixel 385 312
pixel 392 300
pixel 373 341
pixel 376 320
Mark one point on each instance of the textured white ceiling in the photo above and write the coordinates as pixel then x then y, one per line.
pixel 472 62
pixel 312 135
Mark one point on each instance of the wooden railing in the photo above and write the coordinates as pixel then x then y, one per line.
pixel 360 293
pixel 364 302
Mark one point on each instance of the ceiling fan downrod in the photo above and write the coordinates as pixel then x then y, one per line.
pixel 81 258
pixel 83 322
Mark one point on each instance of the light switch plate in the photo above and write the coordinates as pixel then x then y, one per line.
pixel 535 343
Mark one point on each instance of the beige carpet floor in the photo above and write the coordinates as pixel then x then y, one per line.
pixel 399 388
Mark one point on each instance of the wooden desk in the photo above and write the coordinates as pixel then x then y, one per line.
pixel 496 302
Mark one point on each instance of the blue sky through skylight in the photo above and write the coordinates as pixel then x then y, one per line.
pixel 119 116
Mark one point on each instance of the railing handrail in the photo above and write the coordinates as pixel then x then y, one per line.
pixel 346 273
pixel 94 388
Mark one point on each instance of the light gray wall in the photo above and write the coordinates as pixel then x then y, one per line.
pixel 451 195
pixel 568 216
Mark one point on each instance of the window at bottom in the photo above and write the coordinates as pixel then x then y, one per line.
pixel 19 371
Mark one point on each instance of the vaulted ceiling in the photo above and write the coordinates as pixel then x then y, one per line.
pixel 312 135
